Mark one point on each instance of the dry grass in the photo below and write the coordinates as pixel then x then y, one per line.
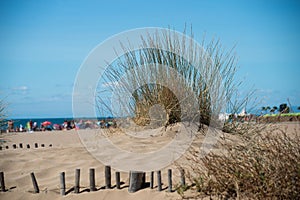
pixel 265 165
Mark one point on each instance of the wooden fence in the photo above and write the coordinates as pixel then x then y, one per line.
pixel 137 181
pixel 21 146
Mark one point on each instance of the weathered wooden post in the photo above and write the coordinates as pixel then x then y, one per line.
pixel 50 145
pixel 136 181
pixel 2 182
pixel 151 180
pixel 118 183
pixel 42 145
pixel 107 177
pixel 7 147
pixel 21 145
pixel 62 184
pixel 14 146
pixel 0 147
pixel 77 181
pixel 159 181
pixel 28 146
pixel 92 180
pixel 36 145
pixel 34 182
pixel 170 180
pixel 182 177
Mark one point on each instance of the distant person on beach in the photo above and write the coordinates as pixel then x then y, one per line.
pixel 21 128
pixel 28 126
pixel 10 126
pixel 35 126
pixel 65 125
pixel 31 125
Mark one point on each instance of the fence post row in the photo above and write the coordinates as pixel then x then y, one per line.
pixel 137 180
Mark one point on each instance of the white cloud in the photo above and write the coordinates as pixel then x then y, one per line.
pixel 21 88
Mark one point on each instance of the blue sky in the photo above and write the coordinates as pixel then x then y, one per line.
pixel 43 44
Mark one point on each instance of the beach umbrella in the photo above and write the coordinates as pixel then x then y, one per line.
pixel 46 123
pixel 56 126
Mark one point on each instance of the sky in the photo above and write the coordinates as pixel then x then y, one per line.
pixel 44 43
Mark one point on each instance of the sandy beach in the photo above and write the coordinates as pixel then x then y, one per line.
pixel 64 151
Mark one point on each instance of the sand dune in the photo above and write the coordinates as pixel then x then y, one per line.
pixel 66 154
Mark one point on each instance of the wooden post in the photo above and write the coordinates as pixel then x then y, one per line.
pixel 42 145
pixel 2 182
pixel 159 180
pixel 182 177
pixel 77 180
pixel 36 145
pixel 136 181
pixel 170 180
pixel 34 182
pixel 7 147
pixel 107 177
pixel 21 145
pixel 151 180
pixel 118 183
pixel 50 145
pixel 28 146
pixel 14 146
pixel 92 180
pixel 0 147
pixel 62 184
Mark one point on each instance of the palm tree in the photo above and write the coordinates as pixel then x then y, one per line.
pixel 283 108
pixel 273 109
pixel 263 110
pixel 267 108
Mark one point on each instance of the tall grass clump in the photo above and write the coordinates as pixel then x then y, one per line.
pixel 190 81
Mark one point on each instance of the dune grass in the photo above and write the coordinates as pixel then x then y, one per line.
pixel 264 165
pixel 190 81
